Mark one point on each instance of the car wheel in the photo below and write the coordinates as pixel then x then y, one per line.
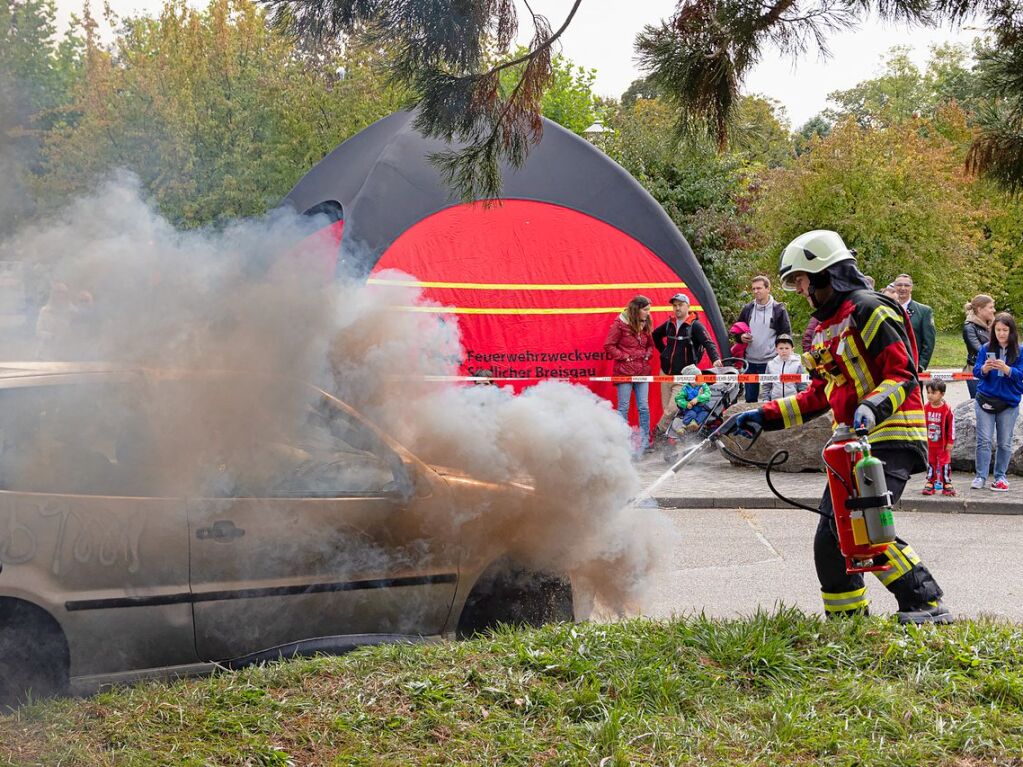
pixel 33 655
pixel 513 595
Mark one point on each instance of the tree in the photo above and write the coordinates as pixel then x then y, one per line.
pixel 898 196
pixel 1001 245
pixel 902 92
pixel 998 148
pixel 35 76
pixel 817 127
pixel 896 95
pixel 639 89
pixel 216 114
pixel 760 132
pixel 697 59
pixel 569 101
pixel 705 193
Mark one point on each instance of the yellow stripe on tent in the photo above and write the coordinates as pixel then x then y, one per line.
pixel 517 286
pixel 516 310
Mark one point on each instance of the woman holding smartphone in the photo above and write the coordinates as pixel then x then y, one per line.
pixel 999 373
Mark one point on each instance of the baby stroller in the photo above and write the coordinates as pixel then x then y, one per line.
pixel 723 395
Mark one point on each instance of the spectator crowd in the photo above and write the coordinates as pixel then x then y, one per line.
pixel 762 342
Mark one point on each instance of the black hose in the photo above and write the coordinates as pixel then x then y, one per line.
pixel 776 460
pixel 779 457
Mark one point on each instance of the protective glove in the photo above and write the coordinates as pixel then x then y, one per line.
pixel 742 423
pixel 864 418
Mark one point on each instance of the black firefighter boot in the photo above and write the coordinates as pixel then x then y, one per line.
pixel 932 612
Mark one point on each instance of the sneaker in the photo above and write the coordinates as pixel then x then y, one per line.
pixel 932 612
pixel 977 484
pixel 928 489
pixel 1000 486
pixel 948 490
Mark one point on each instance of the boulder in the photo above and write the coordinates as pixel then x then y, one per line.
pixel 964 451
pixel 804 443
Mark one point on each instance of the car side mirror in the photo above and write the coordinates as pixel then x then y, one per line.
pixel 405 479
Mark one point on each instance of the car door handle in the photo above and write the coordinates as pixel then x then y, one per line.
pixel 222 530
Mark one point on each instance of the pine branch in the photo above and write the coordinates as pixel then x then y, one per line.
pixel 493 129
pixel 997 152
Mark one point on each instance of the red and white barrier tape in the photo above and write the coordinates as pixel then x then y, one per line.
pixel 927 375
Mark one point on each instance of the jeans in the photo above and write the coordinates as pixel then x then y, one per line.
pixel 989 425
pixel 753 390
pixel 972 386
pixel 696 414
pixel 642 405
pixel 668 392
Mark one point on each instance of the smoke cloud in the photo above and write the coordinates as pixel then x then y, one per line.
pixel 124 286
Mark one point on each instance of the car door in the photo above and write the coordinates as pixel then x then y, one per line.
pixel 84 532
pixel 332 546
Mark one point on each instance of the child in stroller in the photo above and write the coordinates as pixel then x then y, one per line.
pixel 703 422
pixel 691 401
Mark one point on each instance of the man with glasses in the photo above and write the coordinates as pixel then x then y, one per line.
pixel 921 317
pixel 766 319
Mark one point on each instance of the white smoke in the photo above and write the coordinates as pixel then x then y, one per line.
pixel 128 286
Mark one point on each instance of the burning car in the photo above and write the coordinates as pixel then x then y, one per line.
pixel 160 522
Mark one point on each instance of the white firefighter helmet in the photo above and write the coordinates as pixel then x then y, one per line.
pixel 812 252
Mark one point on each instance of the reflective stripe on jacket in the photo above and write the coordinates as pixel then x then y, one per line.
pixel 862 354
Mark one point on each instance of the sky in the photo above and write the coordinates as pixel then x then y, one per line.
pixel 601 37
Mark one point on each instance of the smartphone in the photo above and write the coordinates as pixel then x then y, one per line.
pixel 990 358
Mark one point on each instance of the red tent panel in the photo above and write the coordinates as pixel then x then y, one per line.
pixel 534 286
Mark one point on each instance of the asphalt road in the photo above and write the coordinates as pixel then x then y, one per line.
pixel 729 562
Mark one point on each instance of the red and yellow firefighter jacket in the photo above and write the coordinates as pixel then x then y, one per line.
pixel 864 353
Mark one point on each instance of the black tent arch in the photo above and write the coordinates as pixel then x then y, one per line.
pixel 381 182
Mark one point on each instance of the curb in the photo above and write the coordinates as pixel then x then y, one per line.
pixel 930 505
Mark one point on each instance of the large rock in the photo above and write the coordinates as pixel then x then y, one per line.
pixel 804 443
pixel 964 452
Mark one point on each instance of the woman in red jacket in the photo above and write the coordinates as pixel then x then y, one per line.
pixel 630 344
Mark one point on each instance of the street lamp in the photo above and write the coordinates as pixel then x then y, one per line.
pixel 595 132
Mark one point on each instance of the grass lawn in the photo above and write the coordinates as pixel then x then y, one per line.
pixel 949 350
pixel 778 689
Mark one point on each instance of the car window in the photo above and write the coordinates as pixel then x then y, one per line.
pixel 74 439
pixel 198 437
pixel 340 456
pixel 248 439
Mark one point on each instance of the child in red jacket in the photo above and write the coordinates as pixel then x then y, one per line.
pixel 941 433
pixel 738 350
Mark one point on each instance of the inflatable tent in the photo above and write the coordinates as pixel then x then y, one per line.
pixel 534 281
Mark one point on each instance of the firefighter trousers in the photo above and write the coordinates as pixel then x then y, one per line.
pixel 908 580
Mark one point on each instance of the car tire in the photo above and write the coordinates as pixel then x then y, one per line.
pixel 513 595
pixel 33 655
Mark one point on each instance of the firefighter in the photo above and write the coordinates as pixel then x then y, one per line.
pixel 862 363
